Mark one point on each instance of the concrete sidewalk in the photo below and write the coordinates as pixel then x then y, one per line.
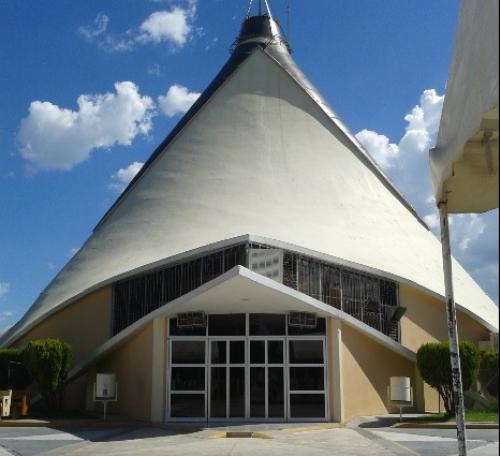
pixel 207 442
pixel 374 436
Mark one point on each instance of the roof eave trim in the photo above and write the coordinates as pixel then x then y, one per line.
pixel 171 308
pixel 12 337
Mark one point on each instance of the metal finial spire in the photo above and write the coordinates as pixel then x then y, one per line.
pixel 260 9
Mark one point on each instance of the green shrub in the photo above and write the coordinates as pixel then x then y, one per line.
pixel 489 359
pixel 13 374
pixel 488 372
pixel 48 361
pixel 433 361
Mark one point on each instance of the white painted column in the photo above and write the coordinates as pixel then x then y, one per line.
pixel 158 370
pixel 334 340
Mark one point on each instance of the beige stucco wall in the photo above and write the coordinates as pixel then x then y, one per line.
pixel 367 367
pixel 425 320
pixel 84 324
pixel 132 363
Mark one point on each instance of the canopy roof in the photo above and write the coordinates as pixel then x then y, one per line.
pixel 259 153
pixel 240 290
pixel 464 165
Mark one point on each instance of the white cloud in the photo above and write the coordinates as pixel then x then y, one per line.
pixel 431 199
pixel 154 70
pixel 420 135
pixel 51 137
pixel 467 228
pixel 212 44
pixel 423 120
pixel 379 148
pixel 124 176
pixel 474 238
pixel 120 43
pixel 4 289
pixel 172 26
pixel 98 27
pixel 5 314
pixel 177 100
pixel 432 220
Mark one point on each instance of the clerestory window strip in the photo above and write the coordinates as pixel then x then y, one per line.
pixel 366 297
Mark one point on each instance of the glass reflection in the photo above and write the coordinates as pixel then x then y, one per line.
pixel 307 405
pixel 275 392
pixel 187 405
pixel 257 351
pixel 306 378
pixel 218 392
pixel 275 352
pixel 218 348
pixel 237 392
pixel 257 392
pixel 237 352
pixel 188 352
pixel 306 351
pixel 188 379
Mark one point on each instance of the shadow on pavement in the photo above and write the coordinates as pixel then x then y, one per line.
pixel 379 422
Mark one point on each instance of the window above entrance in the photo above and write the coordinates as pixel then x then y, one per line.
pixel 371 299
pixel 232 325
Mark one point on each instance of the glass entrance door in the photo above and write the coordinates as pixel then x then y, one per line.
pixel 227 379
pixel 307 378
pixel 247 367
pixel 267 379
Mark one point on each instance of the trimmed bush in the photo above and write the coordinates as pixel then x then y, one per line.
pixel 48 361
pixel 489 359
pixel 433 361
pixel 488 372
pixel 13 374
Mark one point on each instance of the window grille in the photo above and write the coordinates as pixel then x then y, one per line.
pixel 367 298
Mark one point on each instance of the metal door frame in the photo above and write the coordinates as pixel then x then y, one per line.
pixel 247 365
pixel 227 365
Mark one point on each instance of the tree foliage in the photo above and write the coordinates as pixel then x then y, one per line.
pixel 48 361
pixel 488 372
pixel 433 361
pixel 13 374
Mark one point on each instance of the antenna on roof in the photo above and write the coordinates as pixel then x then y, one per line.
pixel 249 9
pixel 268 9
pixel 260 10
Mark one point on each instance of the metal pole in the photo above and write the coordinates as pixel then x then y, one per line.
pixel 456 374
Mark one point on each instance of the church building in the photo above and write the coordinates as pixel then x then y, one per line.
pixel 259 267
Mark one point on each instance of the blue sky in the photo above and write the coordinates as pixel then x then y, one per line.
pixel 382 65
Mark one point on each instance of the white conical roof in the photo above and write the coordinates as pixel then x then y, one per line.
pixel 261 154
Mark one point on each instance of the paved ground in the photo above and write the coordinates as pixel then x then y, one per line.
pixel 296 441
pixel 442 442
